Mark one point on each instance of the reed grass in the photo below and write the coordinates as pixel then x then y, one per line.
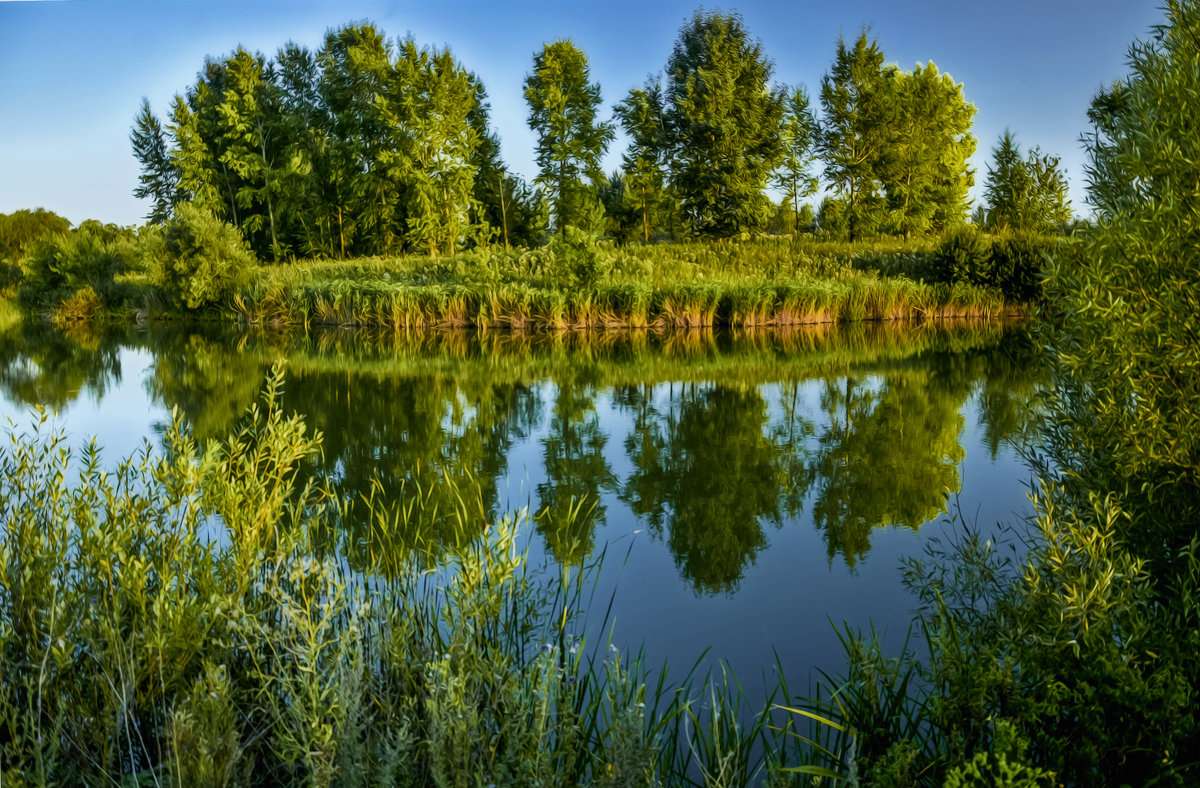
pixel 760 283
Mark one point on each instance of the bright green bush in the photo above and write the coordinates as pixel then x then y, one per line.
pixel 59 266
pixel 964 255
pixel 200 260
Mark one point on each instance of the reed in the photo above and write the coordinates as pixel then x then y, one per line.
pixel 764 282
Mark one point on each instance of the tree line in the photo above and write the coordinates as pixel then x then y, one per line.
pixel 374 146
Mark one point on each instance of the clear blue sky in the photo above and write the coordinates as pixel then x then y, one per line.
pixel 73 72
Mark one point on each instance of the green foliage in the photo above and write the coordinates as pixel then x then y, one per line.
pixel 923 170
pixel 580 261
pixel 20 230
pixel 77 265
pixel 200 261
pixel 724 125
pixel 1004 766
pixel 160 175
pixel 1025 195
pixel 562 112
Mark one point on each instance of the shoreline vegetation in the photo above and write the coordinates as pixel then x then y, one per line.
pixel 105 274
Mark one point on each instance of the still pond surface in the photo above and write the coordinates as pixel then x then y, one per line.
pixel 750 490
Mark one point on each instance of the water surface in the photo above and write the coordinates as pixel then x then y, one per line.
pixel 748 490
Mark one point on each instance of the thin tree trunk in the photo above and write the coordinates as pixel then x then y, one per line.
pixel 503 211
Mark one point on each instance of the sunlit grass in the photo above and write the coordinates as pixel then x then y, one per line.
pixel 769 282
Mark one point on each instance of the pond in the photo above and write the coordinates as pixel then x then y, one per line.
pixel 748 491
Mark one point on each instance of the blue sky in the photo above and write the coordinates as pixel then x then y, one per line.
pixel 73 72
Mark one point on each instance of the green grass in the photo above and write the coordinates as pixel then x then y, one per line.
pixel 769 282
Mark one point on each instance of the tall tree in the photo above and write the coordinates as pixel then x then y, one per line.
pixel 799 137
pixel 249 120
pixel 724 123
pixel 642 117
pixel 1024 195
pixel 159 180
pixel 356 68
pixel 571 141
pixel 854 135
pixel 430 105
pixel 923 169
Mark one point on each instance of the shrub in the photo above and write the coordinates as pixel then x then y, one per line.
pixel 579 260
pixel 200 260
pixel 1017 262
pixel 965 256
pixel 59 266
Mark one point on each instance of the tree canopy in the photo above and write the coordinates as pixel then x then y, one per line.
pixel 724 124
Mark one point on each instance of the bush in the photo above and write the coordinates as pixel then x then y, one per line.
pixel 199 259
pixel 61 265
pixel 579 260
pixel 1017 263
pixel 965 256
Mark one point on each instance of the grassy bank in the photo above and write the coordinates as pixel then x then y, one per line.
pixel 572 283
pixel 764 283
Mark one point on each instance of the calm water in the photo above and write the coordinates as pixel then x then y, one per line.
pixel 749 489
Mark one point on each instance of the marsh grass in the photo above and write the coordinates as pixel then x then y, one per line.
pixel 187 617
pixel 768 282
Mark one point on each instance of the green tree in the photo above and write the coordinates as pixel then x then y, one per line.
pixel 249 140
pixel 799 137
pixel 724 123
pixel 202 260
pixel 430 106
pixel 854 133
pixel 1024 195
pixel 356 65
pixel 562 112
pixel 159 180
pixel 642 117
pixel 20 230
pixel 923 169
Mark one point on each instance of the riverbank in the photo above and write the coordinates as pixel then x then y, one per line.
pixel 770 282
pixel 566 285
